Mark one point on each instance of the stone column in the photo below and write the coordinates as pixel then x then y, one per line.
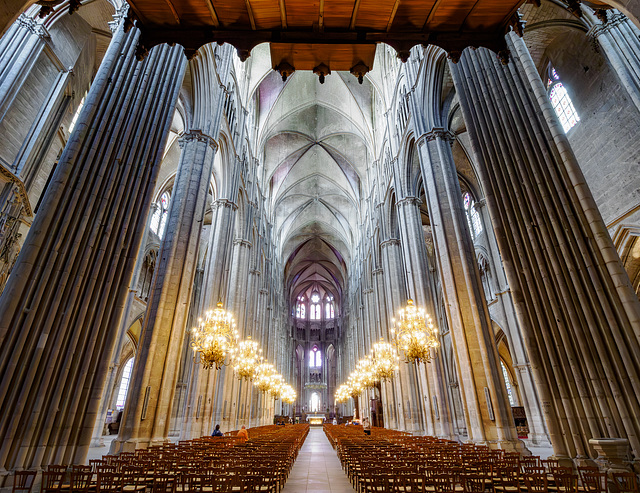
pixel 620 43
pixel 488 413
pixel 107 395
pixel 62 304
pixel 20 48
pixel 576 307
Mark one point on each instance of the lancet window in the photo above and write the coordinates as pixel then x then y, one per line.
pixel 560 100
pixel 159 218
pixel 473 216
pixel 301 308
pixel 329 311
pixel 507 381
pixel 315 357
pixel 314 308
pixel 124 384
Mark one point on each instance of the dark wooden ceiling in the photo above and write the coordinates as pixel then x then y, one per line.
pixel 307 33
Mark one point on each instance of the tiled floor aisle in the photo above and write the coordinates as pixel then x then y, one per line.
pixel 317 468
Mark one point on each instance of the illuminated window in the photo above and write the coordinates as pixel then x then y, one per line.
pixel 561 101
pixel 473 216
pixel 328 309
pixel 507 381
pixel 314 309
pixel 159 218
pixel 124 384
pixel 72 125
pixel 300 308
pixel 315 357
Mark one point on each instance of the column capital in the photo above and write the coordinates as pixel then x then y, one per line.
pixel 613 20
pixel 242 242
pixel 409 200
pixel 198 136
pixel 224 203
pixel 390 242
pixel 435 134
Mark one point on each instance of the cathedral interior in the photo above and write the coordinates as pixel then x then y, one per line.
pixel 312 168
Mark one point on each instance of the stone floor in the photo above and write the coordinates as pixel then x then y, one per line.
pixel 317 468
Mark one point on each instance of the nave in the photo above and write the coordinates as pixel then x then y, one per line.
pixel 317 468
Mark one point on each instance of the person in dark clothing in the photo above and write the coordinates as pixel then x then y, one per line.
pixel 217 432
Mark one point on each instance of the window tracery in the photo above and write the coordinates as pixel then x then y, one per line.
pixel 473 216
pixel 329 312
pixel 314 308
pixel 301 308
pixel 315 357
pixel 560 100
pixel 159 218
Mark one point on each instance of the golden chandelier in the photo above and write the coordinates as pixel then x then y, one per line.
pixel 385 360
pixel 414 334
pixel 214 337
pixel 246 357
pixel 264 372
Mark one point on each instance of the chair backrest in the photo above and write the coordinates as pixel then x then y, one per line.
pixel 23 481
pixel 594 480
pixel 52 480
pixel 80 481
pixel 536 483
pixel 566 482
pixel 108 482
pixel 625 482
pixel 474 483
pixel 163 483
pixel 442 483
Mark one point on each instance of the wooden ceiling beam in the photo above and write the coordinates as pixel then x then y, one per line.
pixel 432 12
pixel 354 15
pixel 173 11
pixel 471 10
pixel 213 13
pixel 283 14
pixel 252 20
pixel 321 16
pixel 393 15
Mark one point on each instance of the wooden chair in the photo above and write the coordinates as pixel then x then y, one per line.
pixel 443 483
pixel 536 483
pixel 625 482
pixel 409 482
pixel 108 482
pixel 23 481
pixel 593 480
pixel 565 482
pixel 163 483
pixel 475 483
pixel 80 481
pixel 507 480
pixel 52 481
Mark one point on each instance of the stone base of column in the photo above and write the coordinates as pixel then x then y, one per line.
pixel 538 440
pixel 131 445
pixel 506 445
pixel 613 454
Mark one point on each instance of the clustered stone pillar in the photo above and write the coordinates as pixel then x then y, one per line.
pixel 576 307
pixel 146 417
pixel 60 310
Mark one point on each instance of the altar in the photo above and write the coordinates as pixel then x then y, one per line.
pixel 316 419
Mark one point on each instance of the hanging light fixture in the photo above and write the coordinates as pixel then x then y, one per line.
pixel 214 337
pixel 246 358
pixel 275 385
pixel 288 394
pixel 365 373
pixel 414 334
pixel 385 360
pixel 343 393
pixel 262 379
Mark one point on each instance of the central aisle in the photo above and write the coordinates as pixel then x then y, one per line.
pixel 317 468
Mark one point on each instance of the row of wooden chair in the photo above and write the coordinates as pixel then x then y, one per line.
pixel 205 465
pixel 389 461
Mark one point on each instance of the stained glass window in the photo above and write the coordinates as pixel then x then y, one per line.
pixel 560 100
pixel 473 216
pixel 300 308
pixel 314 309
pixel 315 357
pixel 159 218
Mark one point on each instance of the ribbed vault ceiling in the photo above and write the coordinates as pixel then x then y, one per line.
pixel 317 141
